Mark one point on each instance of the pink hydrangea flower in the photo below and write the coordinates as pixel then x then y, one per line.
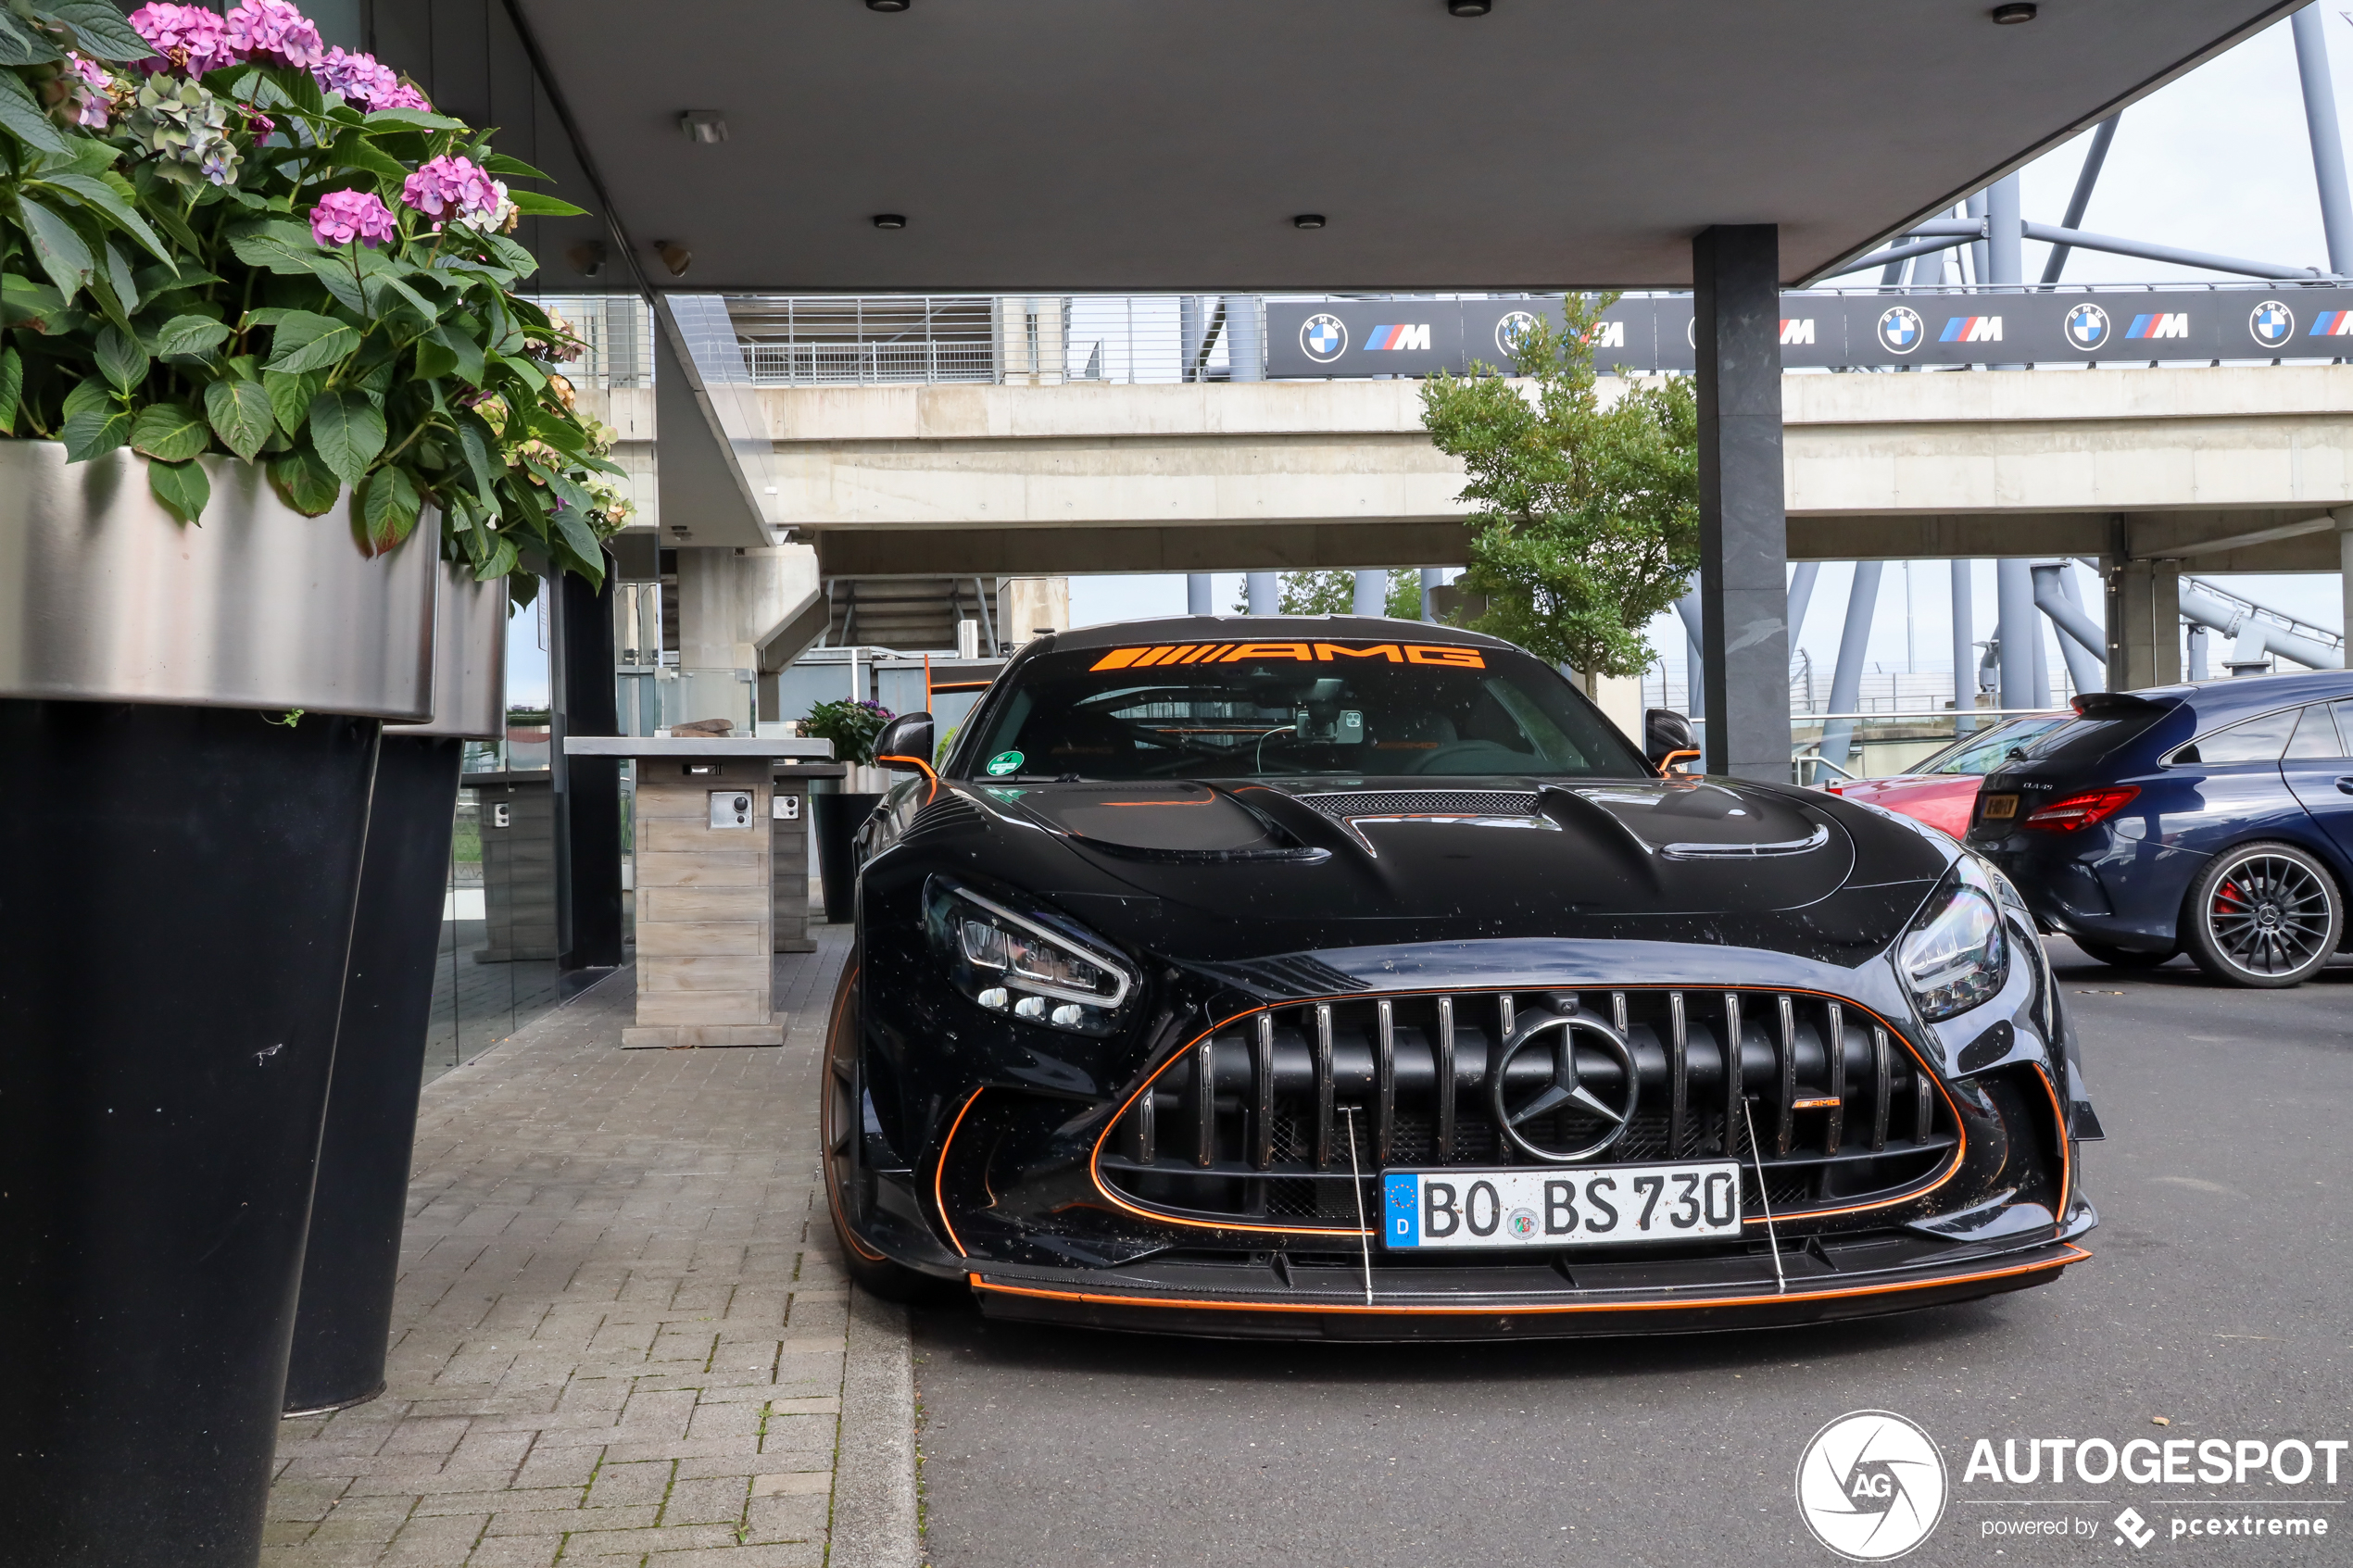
pixel 91 100
pixel 404 96
pixel 273 32
pixel 454 187
pixel 342 217
pixel 359 79
pixel 185 38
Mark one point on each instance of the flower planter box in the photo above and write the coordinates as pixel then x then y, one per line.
pixel 182 869
pixel 343 1325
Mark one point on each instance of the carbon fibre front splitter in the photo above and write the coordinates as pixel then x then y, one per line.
pixel 1331 1302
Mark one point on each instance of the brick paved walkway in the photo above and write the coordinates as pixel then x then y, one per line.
pixel 621 1322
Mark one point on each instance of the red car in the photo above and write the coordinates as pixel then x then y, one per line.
pixel 1942 791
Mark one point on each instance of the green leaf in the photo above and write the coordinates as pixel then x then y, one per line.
pixel 290 397
pixel 347 430
pixel 36 306
pixel 116 275
pixel 386 510
pixel 240 414
pixel 22 118
pixel 99 29
pixel 169 432
pixel 306 341
pixel 89 392
pixel 357 150
pixel 11 389
pixel 193 335
pixel 285 249
pixel 108 200
pixel 93 431
pixel 475 438
pixel 183 488
pixel 464 349
pixel 20 45
pixel 531 204
pixel 120 359
pixel 433 359
pixel 503 555
pixel 56 242
pixel 304 483
pixel 415 118
pixel 154 282
pixel 511 168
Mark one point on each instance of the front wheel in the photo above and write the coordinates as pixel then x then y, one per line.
pixel 2124 957
pixel 2263 915
pixel 847 1187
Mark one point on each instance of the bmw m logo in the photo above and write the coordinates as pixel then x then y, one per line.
pixel 1900 330
pixel 1325 338
pixel 2270 323
pixel 2087 326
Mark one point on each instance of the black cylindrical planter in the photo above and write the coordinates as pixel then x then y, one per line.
pixel 835 821
pixel 174 921
pixel 345 1320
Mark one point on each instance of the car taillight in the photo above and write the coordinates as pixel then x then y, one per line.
pixel 2081 810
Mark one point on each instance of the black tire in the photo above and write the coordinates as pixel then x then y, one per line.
pixel 2125 957
pixel 876 1275
pixel 2263 915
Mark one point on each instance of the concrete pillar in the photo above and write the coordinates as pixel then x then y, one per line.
pixel 1743 522
pixel 2019 632
pixel 1433 578
pixel 1199 593
pixel 1964 648
pixel 1029 607
pixel 1372 593
pixel 2144 622
pixel 1854 644
pixel 2344 516
pixel 1266 593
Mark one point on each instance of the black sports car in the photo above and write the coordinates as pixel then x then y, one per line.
pixel 1355 978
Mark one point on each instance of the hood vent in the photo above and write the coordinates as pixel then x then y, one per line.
pixel 1425 803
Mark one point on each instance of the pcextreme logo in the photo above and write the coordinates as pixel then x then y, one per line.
pixel 1172 654
pixel 1871 1486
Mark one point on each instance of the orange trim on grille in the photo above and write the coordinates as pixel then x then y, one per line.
pixel 940 1172
pixel 2077 1253
pixel 2067 1161
pixel 1095 1156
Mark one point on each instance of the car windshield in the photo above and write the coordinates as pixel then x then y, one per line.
pixel 1980 754
pixel 1280 709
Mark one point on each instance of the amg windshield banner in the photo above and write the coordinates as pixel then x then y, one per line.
pixel 1420 337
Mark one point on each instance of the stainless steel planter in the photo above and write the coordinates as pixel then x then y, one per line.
pixel 470 658
pixel 104 597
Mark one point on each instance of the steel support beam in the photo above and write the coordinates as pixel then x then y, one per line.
pixel 1265 589
pixel 1854 646
pixel 1199 593
pixel 2328 145
pixel 1433 579
pixel 2014 594
pixel 2080 642
pixel 1964 646
pixel 1801 594
pixel 1743 570
pixel 1372 593
pixel 1696 655
pixel 2086 179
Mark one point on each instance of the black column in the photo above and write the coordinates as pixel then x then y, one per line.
pixel 584 702
pixel 1743 529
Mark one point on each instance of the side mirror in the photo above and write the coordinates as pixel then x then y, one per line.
pixel 904 745
pixel 1667 737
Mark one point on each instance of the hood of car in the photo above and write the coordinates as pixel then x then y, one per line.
pixel 1269 867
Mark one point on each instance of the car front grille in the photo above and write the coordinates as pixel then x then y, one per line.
pixel 1425 803
pixel 1273 1117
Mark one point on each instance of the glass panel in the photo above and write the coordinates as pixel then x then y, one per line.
pixel 2316 734
pixel 2258 740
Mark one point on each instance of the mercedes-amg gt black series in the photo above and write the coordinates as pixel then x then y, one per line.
pixel 1356 979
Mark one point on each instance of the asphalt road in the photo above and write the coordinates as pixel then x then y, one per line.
pixel 2219 1296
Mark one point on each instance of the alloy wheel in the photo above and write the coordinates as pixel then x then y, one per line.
pixel 2269 915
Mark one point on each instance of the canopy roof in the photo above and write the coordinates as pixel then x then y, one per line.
pixel 1147 144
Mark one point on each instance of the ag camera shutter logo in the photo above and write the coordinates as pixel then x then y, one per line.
pixel 1871 1486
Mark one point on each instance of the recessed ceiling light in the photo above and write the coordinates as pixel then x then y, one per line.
pixel 703 125
pixel 890 221
pixel 1469 7
pixel 2010 15
pixel 1308 221
pixel 886 5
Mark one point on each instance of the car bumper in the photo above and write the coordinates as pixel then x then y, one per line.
pixel 1334 1298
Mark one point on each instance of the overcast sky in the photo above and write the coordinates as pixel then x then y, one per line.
pixel 2220 162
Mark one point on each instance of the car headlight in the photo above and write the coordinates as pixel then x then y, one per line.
pixel 1956 955
pixel 1008 962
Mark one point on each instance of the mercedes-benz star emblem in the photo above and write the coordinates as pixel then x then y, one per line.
pixel 1565 1091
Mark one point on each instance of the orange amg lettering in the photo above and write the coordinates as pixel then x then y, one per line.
pixel 1459 658
pixel 1269 650
pixel 1328 651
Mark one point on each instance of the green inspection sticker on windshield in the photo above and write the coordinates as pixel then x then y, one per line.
pixel 1004 762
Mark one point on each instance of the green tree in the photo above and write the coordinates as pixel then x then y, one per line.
pixel 1334 592
pixel 1587 518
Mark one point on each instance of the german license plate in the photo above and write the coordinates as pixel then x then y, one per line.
pixel 1998 807
pixel 1547 1209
